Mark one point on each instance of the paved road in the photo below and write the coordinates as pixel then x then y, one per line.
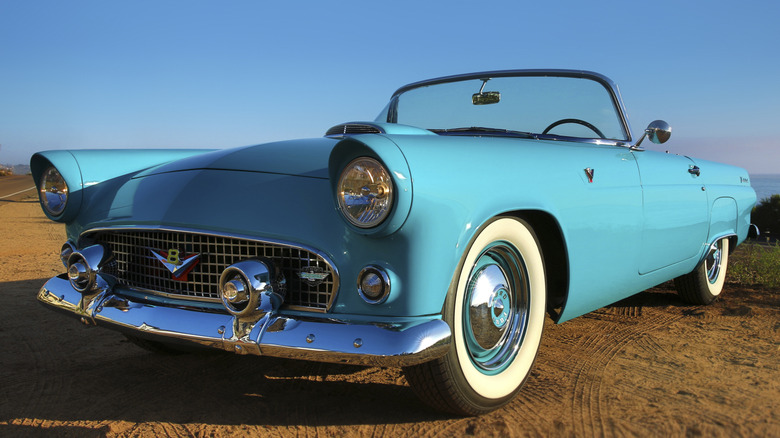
pixel 16 187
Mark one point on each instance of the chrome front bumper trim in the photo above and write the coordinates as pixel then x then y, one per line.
pixel 390 344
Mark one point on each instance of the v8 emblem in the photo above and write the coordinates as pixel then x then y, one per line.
pixel 178 267
pixel 173 257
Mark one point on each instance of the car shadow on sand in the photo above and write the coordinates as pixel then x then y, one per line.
pixel 734 296
pixel 54 368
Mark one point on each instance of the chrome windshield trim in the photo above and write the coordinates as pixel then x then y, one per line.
pixel 325 258
pixel 611 87
pixel 532 136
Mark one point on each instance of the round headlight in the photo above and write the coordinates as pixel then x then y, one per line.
pixel 54 191
pixel 365 192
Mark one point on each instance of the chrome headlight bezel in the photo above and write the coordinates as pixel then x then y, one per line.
pixel 365 192
pixel 65 165
pixel 373 284
pixel 53 191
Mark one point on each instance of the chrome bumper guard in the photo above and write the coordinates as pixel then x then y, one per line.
pixel 387 344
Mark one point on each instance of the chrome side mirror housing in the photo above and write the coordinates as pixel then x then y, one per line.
pixel 658 131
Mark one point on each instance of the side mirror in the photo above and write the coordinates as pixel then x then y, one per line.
pixel 657 131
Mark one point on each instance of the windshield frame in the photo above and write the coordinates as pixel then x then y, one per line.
pixel 608 84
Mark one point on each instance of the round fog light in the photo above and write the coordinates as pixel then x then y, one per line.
pixel 373 284
pixel 248 289
pixel 84 266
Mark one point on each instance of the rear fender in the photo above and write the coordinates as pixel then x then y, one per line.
pixel 723 221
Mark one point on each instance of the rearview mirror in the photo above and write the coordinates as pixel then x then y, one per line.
pixel 486 98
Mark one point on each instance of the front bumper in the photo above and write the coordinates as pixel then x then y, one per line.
pixel 391 344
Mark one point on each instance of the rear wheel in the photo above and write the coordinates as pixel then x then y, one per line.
pixel 496 309
pixel 705 283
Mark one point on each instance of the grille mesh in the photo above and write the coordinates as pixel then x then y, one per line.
pixel 138 268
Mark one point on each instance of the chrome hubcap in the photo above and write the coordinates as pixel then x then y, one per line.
pixel 496 300
pixel 712 263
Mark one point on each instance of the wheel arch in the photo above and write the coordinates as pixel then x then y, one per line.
pixel 733 242
pixel 724 219
pixel 554 254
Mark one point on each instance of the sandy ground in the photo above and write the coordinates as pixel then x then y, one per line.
pixel 649 365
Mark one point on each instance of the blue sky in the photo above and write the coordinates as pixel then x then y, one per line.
pixel 217 74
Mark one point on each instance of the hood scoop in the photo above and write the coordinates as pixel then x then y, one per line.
pixel 353 128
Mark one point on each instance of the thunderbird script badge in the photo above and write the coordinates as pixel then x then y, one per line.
pixel 313 275
pixel 178 267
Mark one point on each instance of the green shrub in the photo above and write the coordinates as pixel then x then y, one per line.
pixel 766 215
pixel 754 264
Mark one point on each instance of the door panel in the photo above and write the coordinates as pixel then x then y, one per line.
pixel 601 220
pixel 675 210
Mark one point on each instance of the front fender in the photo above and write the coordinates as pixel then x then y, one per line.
pixel 386 151
pixel 85 168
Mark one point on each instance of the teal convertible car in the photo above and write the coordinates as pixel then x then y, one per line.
pixel 436 238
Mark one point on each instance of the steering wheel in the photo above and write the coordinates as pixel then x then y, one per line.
pixel 577 121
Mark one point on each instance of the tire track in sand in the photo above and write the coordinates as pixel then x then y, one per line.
pixel 612 331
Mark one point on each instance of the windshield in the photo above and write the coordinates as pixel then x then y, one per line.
pixel 555 105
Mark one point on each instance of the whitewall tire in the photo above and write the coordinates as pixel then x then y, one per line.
pixel 496 309
pixel 705 283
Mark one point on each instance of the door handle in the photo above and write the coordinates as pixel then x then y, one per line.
pixel 694 170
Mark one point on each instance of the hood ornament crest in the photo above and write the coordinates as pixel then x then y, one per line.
pixel 313 275
pixel 177 266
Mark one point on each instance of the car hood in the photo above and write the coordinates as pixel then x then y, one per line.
pixel 308 158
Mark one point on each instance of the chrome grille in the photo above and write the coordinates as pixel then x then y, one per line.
pixel 137 267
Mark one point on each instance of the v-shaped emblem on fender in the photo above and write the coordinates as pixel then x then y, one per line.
pixel 590 173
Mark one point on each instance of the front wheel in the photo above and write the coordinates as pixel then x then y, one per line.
pixel 705 283
pixel 496 309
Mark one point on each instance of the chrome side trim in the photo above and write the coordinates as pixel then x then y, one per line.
pixel 714 242
pixel 391 344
